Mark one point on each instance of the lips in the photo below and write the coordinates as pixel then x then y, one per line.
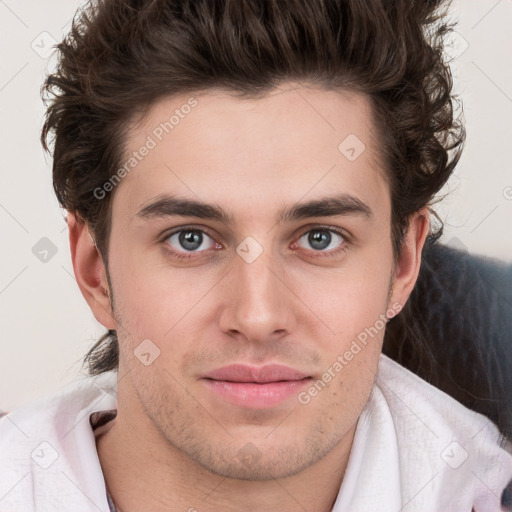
pixel 256 388
pixel 264 374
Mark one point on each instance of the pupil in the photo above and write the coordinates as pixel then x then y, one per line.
pixel 190 240
pixel 319 239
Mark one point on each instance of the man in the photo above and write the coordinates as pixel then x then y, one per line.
pixel 248 187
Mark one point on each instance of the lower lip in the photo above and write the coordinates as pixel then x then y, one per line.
pixel 256 396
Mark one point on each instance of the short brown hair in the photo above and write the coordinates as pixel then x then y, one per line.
pixel 123 55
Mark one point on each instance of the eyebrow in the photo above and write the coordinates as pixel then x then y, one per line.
pixel 330 206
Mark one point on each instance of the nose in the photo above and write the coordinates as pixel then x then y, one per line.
pixel 258 305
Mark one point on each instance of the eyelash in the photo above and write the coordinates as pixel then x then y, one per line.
pixel 333 252
pixel 320 254
pixel 182 255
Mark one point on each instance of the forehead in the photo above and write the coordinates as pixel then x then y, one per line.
pixel 292 142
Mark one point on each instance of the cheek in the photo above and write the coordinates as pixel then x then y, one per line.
pixel 347 300
pixel 155 301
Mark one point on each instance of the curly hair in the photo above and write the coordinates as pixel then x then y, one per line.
pixel 121 56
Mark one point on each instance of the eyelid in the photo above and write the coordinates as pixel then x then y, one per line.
pixel 182 253
pixel 188 227
pixel 303 230
pixel 324 255
pixel 336 229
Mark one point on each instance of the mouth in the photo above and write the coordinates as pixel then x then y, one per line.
pixel 256 387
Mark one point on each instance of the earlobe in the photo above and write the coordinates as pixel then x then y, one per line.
pixel 90 271
pixel 409 261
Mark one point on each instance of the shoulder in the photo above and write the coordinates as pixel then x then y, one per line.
pixel 48 444
pixel 459 450
pixel 406 391
pixel 53 413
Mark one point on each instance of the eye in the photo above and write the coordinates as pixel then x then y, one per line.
pixel 190 240
pixel 322 240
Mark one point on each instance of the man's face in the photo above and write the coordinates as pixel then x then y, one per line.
pixel 256 289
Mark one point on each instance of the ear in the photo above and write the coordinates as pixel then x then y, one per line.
pixel 409 261
pixel 90 271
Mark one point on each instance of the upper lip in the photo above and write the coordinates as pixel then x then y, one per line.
pixel 248 373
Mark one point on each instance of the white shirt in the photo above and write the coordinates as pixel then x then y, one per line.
pixel 415 449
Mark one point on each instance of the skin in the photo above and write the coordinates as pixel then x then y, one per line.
pixel 176 445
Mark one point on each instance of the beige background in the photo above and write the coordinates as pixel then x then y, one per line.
pixel 46 326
